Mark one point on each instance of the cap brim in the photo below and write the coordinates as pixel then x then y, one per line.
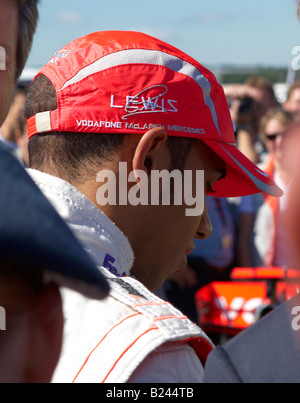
pixel 243 177
pixel 32 234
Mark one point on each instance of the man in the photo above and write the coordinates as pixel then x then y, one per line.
pixel 37 250
pixel 109 111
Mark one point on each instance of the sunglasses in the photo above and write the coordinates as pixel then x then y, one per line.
pixel 272 137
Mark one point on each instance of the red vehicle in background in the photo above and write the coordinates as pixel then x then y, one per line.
pixel 226 308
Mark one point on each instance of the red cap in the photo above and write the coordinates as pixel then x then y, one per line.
pixel 129 82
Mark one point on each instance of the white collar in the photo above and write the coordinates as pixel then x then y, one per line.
pixel 104 241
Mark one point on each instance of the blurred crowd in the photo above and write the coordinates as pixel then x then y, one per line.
pixel 249 231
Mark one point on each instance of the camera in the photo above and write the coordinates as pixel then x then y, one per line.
pixel 246 105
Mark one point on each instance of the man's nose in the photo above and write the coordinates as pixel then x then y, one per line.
pixel 204 230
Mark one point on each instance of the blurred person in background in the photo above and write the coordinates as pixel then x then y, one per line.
pixel 292 104
pixel 262 236
pixel 249 102
pixel 291 147
pixel 13 132
pixel 263 96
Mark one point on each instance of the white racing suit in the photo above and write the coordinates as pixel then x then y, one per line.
pixel 132 335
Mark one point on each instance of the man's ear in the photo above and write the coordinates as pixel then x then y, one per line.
pixel 151 151
pixel 46 335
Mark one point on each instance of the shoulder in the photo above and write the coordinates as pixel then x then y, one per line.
pixel 162 366
pixel 108 340
pixel 268 351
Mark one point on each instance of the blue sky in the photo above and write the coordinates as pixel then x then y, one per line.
pixel 215 32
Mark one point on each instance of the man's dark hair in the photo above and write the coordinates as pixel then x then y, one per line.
pixel 75 156
pixel 28 19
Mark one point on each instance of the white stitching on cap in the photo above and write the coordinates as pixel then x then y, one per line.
pixel 43 122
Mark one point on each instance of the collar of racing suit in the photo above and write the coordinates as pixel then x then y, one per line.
pixel 101 238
